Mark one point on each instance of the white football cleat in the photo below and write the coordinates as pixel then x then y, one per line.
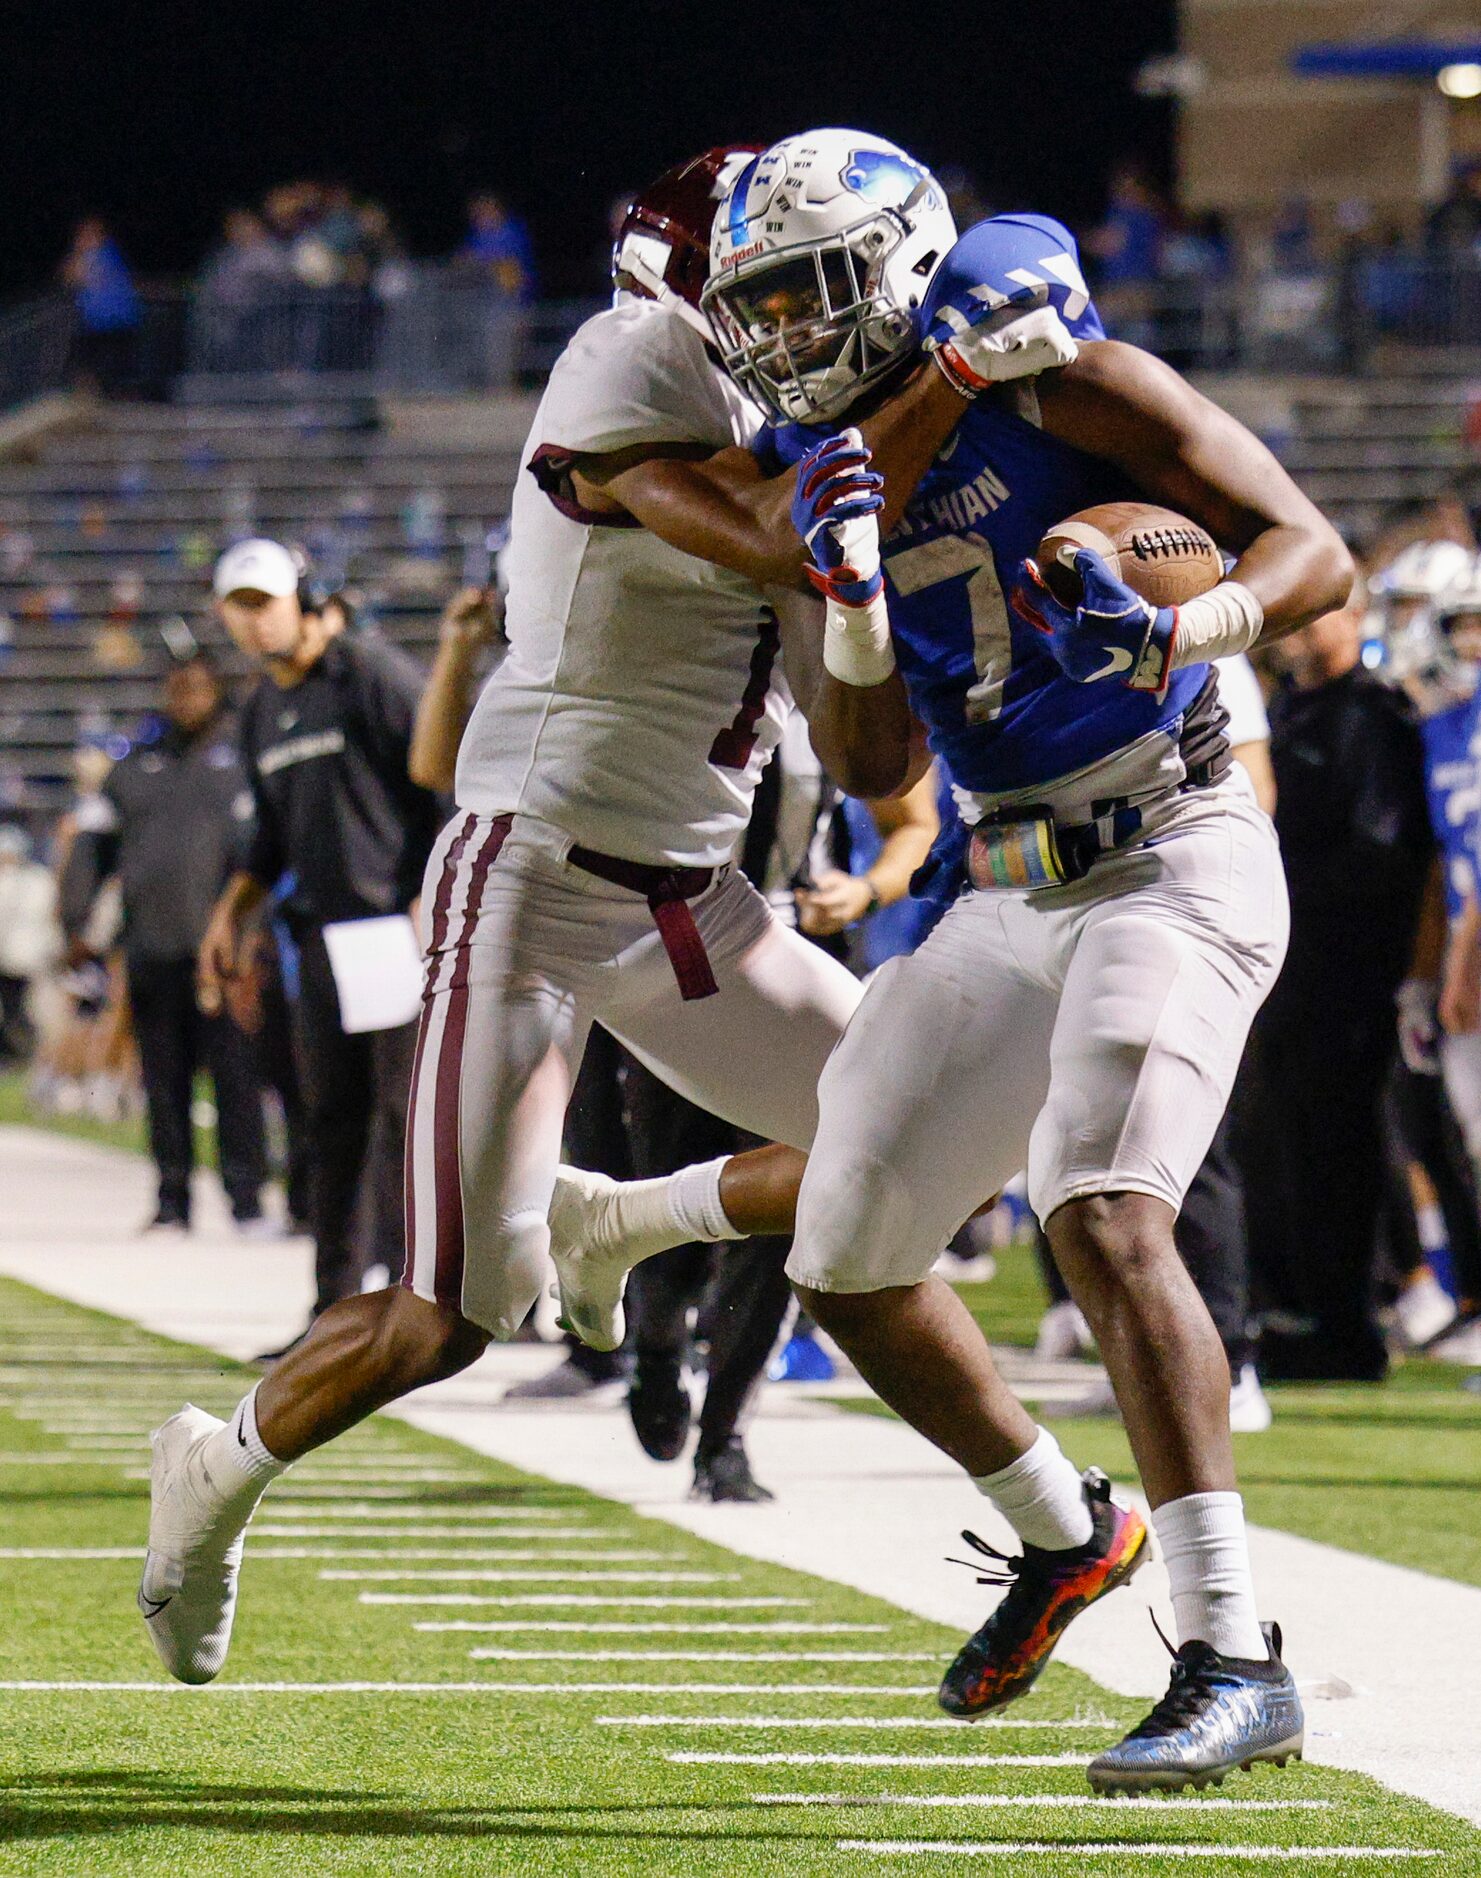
pixel 1424 1308
pixel 590 1270
pixel 1063 1333
pixel 1249 1406
pixel 188 1591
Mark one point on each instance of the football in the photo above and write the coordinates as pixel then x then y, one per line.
pixel 1163 555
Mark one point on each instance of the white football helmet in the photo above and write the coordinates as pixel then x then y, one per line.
pixel 1417 592
pixel 1423 571
pixel 820 254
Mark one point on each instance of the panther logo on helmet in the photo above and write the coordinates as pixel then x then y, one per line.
pixel 883 175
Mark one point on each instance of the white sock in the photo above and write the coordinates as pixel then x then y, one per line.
pixel 1208 1565
pixel 1041 1497
pixel 697 1204
pixel 236 1458
pixel 648 1216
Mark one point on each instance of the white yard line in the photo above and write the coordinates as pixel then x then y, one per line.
pixel 701 1656
pixel 561 1600
pixel 598 1627
pixel 1153 1848
pixel 565 1578
pixel 836 1721
pixel 368 1529
pixel 447 1688
pixel 1046 1802
pixel 406 1512
pixel 860 1501
pixel 298 1552
pixel 574 1555
pixel 685 1758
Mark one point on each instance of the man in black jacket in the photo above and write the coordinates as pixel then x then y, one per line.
pixel 325 739
pixel 168 824
pixel 1355 837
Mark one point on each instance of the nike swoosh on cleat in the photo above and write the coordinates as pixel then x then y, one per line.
pixel 1119 661
pixel 155 1606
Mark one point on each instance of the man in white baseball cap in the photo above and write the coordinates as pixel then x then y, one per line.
pixel 325 743
pixel 259 590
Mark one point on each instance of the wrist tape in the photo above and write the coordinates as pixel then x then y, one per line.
pixel 1217 625
pixel 856 642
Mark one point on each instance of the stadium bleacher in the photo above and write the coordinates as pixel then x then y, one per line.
pixel 112 524
pixel 109 524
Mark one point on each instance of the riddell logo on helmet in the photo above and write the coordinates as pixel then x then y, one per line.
pixel 745 254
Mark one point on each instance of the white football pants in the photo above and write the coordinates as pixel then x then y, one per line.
pixel 524 953
pixel 1089 1033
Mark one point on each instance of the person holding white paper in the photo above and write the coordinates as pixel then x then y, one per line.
pixel 325 741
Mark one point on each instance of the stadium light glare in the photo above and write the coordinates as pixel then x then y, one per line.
pixel 1459 81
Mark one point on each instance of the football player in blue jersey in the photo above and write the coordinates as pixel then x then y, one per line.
pixel 1432 596
pixel 1082 1007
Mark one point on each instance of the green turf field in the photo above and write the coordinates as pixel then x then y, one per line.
pixel 567 1754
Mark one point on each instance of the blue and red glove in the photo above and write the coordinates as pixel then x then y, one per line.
pixel 1113 633
pixel 835 506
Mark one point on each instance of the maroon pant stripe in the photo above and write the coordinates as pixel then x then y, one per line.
pixel 441 902
pixel 447 1120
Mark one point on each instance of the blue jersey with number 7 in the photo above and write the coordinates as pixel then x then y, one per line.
pixel 1000 713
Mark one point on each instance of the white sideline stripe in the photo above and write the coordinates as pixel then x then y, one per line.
pixel 523 1577
pixel 563 1600
pixel 573 1554
pixel 829 1721
pixel 268 1552
pixel 1073 1802
pixel 367 1490
pixel 701 1656
pixel 393 1485
pixel 435 1688
pixel 1076 1848
pixel 369 1529
pixel 688 1758
pixel 498 1536
pixel 407 1510
pixel 38 1457
pixel 588 1625
pixel 573 1578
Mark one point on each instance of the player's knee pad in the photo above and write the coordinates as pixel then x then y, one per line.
pixel 505 1273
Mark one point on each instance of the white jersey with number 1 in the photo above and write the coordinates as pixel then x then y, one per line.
pixel 641 695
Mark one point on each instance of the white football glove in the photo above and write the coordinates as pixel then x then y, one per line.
pixel 1006 345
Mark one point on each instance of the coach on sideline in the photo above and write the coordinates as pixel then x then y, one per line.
pixel 325 739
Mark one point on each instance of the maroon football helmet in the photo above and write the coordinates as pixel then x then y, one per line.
pixel 663 241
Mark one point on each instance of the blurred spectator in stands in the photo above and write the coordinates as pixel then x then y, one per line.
pixel 107 306
pixel 1126 253
pixel 168 826
pixel 1196 326
pixel 30 938
pixel 1354 829
pixel 1453 229
pixel 1292 239
pixel 245 273
pixel 1445 517
pixel 498 261
pixel 84 1060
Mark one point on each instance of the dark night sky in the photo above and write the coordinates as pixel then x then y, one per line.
pixel 161 114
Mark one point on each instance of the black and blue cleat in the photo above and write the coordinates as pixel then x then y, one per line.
pixel 1220 1713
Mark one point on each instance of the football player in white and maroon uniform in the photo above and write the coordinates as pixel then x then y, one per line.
pixel 606 775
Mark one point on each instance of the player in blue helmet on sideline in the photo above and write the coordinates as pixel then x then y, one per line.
pixel 1081 1011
